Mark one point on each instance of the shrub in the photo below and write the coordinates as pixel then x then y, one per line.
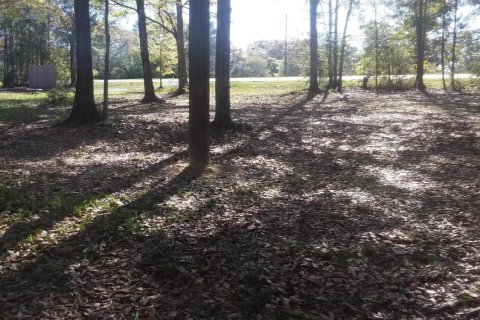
pixel 57 95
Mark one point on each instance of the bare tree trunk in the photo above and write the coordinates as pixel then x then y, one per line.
pixel 454 44
pixel 313 89
pixel 285 60
pixel 335 46
pixel 444 26
pixel 344 44
pixel 5 59
pixel 84 110
pixel 106 72
pixel 329 45
pixel 145 55
pixel 376 50
pixel 73 59
pixel 180 42
pixel 420 34
pixel 223 118
pixel 199 70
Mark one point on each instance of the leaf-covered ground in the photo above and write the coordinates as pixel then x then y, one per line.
pixel 353 207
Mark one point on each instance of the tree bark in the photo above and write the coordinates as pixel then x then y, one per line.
pixel 313 89
pixel 335 47
pixel 73 59
pixel 149 95
pixel 442 59
pixel 84 110
pixel 330 46
pixel 342 50
pixel 223 117
pixel 106 72
pixel 199 70
pixel 180 42
pixel 376 50
pixel 454 44
pixel 420 34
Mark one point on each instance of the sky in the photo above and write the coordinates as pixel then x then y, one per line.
pixel 254 20
pixel 265 20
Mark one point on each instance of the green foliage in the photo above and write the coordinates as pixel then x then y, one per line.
pixel 57 96
pixel 395 54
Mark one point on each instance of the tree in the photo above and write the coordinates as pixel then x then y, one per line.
pixel 443 41
pixel 149 95
pixel 344 44
pixel 149 90
pixel 106 73
pixel 180 41
pixel 420 44
pixel 84 110
pixel 25 29
pixel 222 66
pixel 175 26
pixel 313 88
pixel 199 71
pixel 454 43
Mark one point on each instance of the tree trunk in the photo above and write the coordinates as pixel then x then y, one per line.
pixel 180 42
pixel 199 70
pixel 342 50
pixel 285 51
pixel 454 44
pixel 223 117
pixel 9 76
pixel 313 89
pixel 161 75
pixel 420 34
pixel 84 110
pixel 442 59
pixel 145 55
pixel 73 59
pixel 5 59
pixel 335 47
pixel 329 45
pixel 376 51
pixel 106 72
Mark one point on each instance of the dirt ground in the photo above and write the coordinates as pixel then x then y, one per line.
pixel 353 207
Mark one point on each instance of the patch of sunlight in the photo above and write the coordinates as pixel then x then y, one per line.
pixel 69 226
pixel 272 193
pixel 282 129
pixel 224 148
pixel 275 167
pixel 359 197
pixel 106 157
pixel 402 179
pixel 265 135
pixel 381 148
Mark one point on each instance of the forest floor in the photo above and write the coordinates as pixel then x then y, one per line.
pixel 353 207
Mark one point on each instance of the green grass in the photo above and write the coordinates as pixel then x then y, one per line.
pixel 270 87
pixel 16 108
pixel 120 89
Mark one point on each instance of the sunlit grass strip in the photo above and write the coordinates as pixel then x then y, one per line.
pixel 82 215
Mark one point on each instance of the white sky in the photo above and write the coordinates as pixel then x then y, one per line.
pixel 254 20
pixel 265 20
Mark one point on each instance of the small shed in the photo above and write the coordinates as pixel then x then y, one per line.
pixel 42 77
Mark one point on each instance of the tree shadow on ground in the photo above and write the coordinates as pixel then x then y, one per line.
pixel 319 211
pixel 65 196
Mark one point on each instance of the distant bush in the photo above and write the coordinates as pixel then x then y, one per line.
pixel 57 95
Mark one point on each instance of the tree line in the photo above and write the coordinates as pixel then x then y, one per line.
pixel 43 31
pixel 60 31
